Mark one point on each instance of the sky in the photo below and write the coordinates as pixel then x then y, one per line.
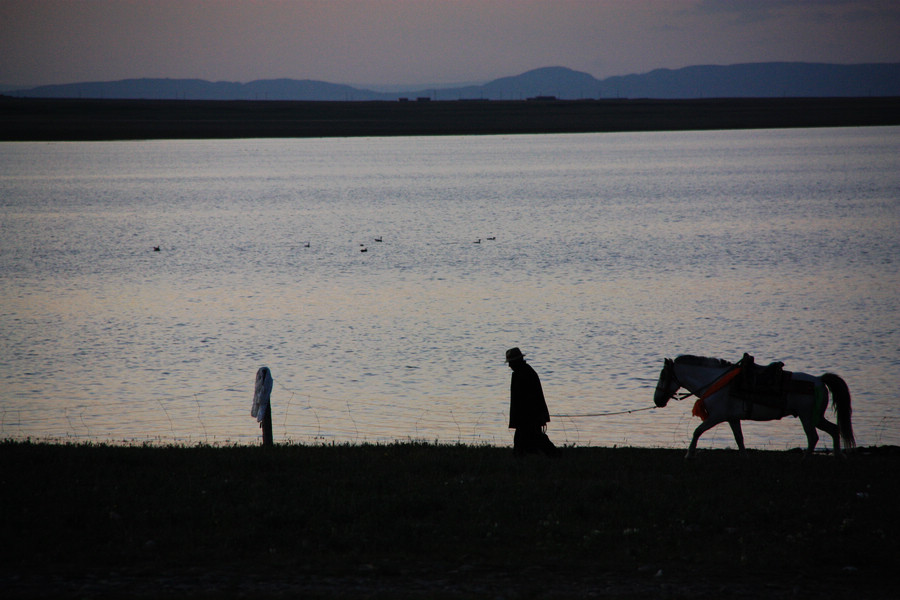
pixel 425 42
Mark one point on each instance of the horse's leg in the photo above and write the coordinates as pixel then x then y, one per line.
pixel 702 427
pixel 738 435
pixel 835 433
pixel 812 436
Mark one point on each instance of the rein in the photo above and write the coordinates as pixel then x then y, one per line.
pixel 606 414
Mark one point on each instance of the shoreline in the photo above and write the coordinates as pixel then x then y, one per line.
pixel 32 119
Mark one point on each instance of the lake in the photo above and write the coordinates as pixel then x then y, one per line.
pixel 598 254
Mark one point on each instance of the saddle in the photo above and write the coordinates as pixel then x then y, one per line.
pixel 767 385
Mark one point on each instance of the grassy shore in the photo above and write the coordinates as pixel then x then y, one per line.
pixel 84 119
pixel 424 521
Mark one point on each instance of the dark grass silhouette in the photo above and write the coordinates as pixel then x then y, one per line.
pixel 85 119
pixel 418 520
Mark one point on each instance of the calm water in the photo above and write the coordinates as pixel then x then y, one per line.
pixel 612 251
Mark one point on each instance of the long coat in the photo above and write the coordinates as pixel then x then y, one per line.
pixel 527 407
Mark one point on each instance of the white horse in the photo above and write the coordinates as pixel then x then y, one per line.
pixel 715 381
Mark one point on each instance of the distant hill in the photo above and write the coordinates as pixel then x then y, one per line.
pixel 752 80
pixel 560 82
pixel 760 80
pixel 199 89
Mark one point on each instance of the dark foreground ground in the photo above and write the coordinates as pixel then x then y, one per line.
pixel 77 119
pixel 423 521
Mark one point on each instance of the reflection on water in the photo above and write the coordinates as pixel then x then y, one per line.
pixel 611 251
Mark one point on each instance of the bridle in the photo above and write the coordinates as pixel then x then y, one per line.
pixel 669 372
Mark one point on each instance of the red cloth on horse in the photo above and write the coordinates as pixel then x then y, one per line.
pixel 699 409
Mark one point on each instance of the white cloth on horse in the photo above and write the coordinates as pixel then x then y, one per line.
pixel 261 394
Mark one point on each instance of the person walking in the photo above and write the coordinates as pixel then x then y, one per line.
pixel 528 413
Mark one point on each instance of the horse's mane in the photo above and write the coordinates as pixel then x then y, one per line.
pixel 702 361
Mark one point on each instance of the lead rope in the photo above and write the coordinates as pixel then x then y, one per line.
pixel 605 414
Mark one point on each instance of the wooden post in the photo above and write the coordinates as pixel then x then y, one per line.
pixel 267 427
pixel 262 408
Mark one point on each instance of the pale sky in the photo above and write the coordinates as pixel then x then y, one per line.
pixel 419 42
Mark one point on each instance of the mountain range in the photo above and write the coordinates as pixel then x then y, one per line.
pixel 758 80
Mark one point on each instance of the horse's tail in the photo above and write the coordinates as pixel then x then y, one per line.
pixel 840 400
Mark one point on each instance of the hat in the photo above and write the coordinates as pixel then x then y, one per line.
pixel 514 354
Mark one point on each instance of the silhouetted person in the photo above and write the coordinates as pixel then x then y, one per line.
pixel 528 413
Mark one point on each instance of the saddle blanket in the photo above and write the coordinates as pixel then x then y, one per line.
pixel 773 394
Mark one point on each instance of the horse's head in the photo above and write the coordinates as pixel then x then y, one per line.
pixel 667 384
